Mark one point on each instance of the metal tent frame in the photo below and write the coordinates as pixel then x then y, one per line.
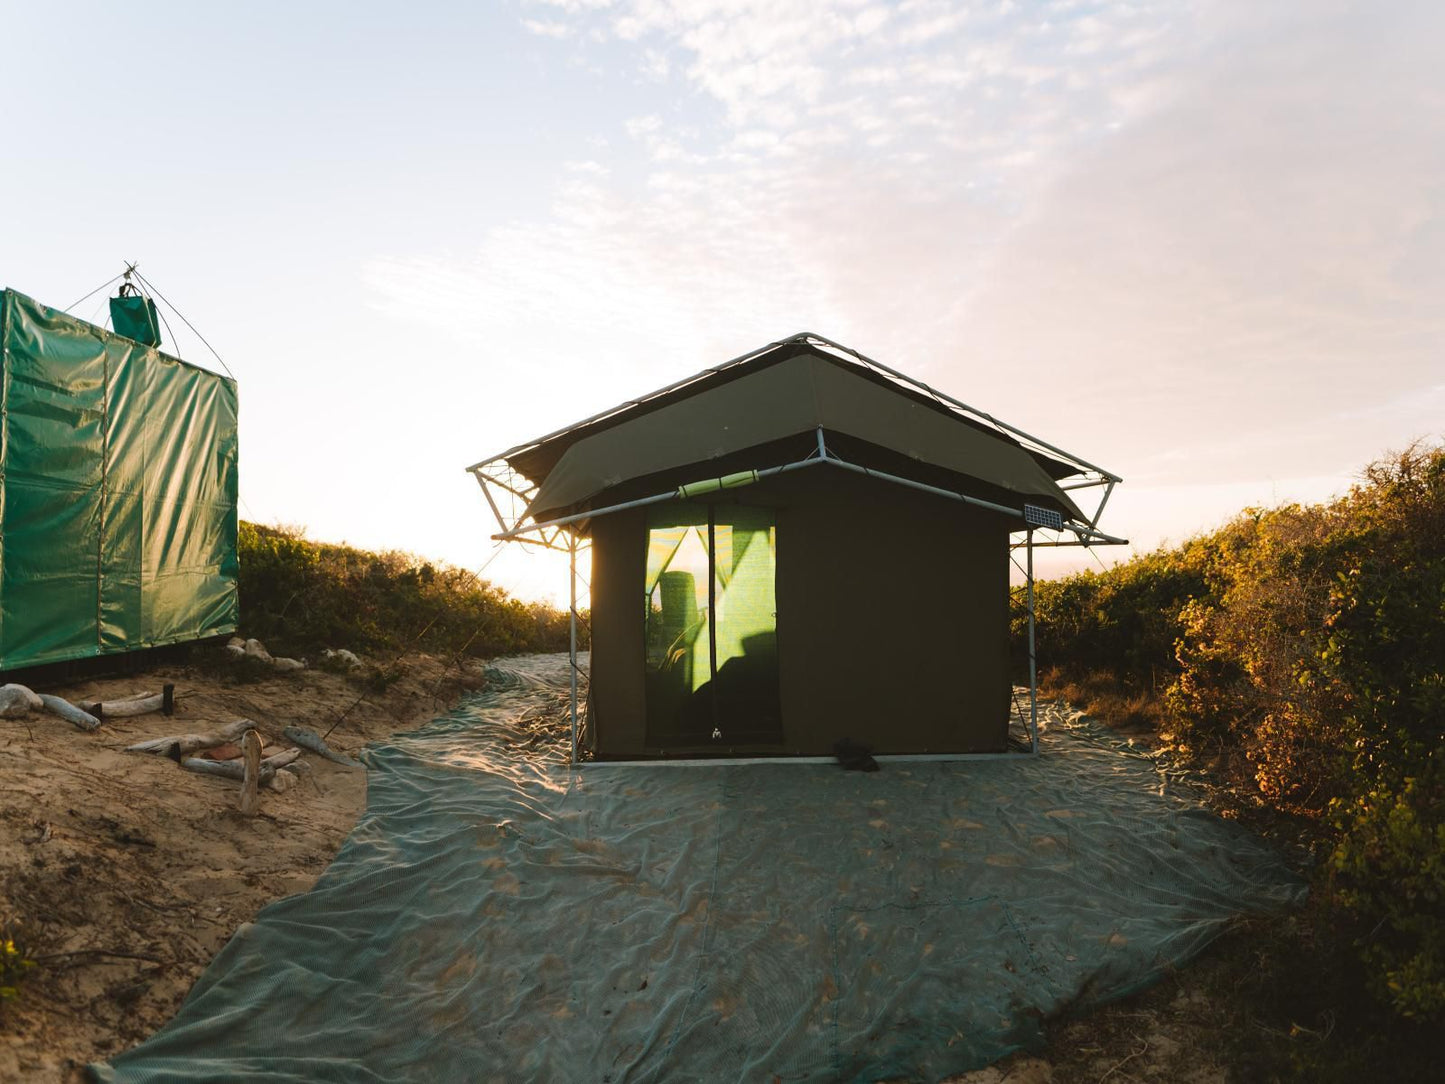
pixel 509 494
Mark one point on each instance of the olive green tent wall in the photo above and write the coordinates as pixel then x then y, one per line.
pixel 118 492
pixel 892 626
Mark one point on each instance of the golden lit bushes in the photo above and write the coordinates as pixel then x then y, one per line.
pixel 1310 641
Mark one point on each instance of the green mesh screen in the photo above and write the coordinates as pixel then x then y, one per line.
pixel 711 626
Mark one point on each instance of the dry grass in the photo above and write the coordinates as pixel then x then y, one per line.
pixel 1135 713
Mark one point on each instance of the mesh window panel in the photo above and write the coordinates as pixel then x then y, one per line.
pixel 711 628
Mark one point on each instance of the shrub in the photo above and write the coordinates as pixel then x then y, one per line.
pixel 1309 643
pixel 300 596
pixel 1389 881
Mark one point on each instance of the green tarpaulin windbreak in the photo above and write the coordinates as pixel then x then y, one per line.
pixel 118 492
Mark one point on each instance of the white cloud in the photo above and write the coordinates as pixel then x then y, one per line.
pixel 547 29
pixel 655 65
pixel 639 127
pixel 1228 276
pixel 1184 240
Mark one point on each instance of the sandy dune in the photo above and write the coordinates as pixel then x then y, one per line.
pixel 128 873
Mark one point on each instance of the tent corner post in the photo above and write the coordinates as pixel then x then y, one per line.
pixel 1033 665
pixel 572 643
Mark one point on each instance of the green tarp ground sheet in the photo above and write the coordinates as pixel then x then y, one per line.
pixel 493 917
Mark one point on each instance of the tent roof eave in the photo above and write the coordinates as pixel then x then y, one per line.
pixel 792 386
pixel 1060 464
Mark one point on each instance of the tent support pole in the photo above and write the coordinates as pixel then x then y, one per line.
pixel 572 641
pixel 1033 667
pixel 487 493
pixel 1094 523
pixel 641 502
pixel 1086 535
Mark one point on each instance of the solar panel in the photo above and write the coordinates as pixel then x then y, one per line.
pixel 1043 517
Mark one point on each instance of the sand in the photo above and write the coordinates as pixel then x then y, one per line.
pixel 127 873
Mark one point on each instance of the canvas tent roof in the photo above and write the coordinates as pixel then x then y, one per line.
pixel 792 387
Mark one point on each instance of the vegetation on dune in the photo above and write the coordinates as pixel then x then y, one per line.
pixel 299 597
pixel 1301 651
pixel 15 961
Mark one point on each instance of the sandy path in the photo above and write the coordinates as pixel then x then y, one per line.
pixel 128 874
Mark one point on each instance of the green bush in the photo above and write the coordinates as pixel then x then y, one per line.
pixel 1122 620
pixel 299 596
pixel 1389 881
pixel 1309 644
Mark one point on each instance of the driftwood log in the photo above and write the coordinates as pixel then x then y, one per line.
pixel 139 704
pixel 58 705
pixel 307 738
pixel 236 769
pixel 18 700
pixel 178 746
pixel 251 783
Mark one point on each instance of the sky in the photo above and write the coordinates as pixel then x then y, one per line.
pixel 1200 244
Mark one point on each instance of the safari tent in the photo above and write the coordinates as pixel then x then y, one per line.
pixel 799 547
pixel 117 489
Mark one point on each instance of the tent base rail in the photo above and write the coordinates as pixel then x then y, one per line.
pixel 730 762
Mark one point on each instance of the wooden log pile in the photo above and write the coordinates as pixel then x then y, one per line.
pixel 235 751
pixel 18 700
pixel 256 650
pixel 238 752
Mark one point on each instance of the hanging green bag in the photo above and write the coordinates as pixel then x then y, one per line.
pixel 134 316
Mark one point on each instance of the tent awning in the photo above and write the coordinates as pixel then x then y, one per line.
pixel 774 401
pixel 797 395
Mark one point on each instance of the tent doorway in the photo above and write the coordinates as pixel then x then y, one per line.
pixel 712 626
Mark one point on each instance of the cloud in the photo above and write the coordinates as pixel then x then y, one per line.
pixel 793 64
pixel 1226 277
pixel 1184 241
pixel 547 29
pixel 822 201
